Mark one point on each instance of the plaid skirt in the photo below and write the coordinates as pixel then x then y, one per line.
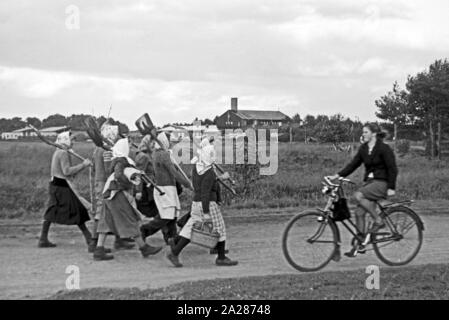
pixel 197 215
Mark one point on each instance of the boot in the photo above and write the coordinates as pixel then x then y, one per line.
pixel 101 255
pixel 174 259
pixel 93 246
pixel 120 244
pixel 45 244
pixel 225 262
pixel 222 260
pixel 148 250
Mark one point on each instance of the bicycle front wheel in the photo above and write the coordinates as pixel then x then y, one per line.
pixel 309 241
pixel 400 247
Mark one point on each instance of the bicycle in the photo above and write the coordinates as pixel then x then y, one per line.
pixel 318 232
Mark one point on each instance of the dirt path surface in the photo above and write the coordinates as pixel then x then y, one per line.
pixel 27 272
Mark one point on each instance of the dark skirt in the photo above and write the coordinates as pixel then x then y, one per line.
pixel 64 207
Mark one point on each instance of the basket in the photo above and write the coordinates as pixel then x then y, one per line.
pixel 203 234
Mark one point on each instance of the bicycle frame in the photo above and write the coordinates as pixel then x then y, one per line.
pixel 338 191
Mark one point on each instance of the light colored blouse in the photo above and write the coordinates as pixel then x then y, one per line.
pixel 61 165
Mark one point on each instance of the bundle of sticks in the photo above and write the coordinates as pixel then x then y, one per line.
pixel 94 133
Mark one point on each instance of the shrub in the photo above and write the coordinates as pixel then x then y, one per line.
pixel 403 146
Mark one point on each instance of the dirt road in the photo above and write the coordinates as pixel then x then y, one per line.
pixel 30 273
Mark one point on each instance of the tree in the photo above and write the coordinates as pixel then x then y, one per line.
pixel 429 100
pixel 55 120
pixel 296 118
pixel 35 122
pixel 394 107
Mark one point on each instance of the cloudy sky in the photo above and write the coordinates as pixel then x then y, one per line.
pixel 178 60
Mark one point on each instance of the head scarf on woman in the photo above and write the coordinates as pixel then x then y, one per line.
pixel 121 150
pixel 64 139
pixel 206 157
pixel 110 132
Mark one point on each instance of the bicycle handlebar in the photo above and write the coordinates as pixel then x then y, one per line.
pixel 341 179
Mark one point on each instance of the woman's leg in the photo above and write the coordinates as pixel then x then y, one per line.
pixel 173 255
pixel 369 206
pixel 219 226
pixel 100 253
pixel 43 240
pixel 86 233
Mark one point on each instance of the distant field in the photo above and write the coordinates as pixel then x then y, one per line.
pixel 25 170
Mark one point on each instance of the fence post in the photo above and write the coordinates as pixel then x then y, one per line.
pixel 439 141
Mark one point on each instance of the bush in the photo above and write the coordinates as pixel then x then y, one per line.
pixel 403 146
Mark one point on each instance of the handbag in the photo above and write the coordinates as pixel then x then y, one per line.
pixel 340 210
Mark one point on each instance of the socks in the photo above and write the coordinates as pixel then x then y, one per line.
pixel 221 249
pixel 181 244
pixel 45 229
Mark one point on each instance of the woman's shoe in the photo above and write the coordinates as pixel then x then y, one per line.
pixel 174 259
pixel 225 262
pixel 148 250
pixel 45 244
pixel 120 244
pixel 101 255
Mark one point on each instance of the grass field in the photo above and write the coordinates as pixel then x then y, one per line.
pixel 25 167
pixel 408 283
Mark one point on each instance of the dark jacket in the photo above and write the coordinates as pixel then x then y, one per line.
pixel 381 162
pixel 165 172
pixel 206 188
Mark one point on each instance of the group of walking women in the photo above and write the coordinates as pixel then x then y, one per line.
pixel 126 206
pixel 123 200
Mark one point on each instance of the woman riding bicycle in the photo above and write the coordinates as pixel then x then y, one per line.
pixel 380 178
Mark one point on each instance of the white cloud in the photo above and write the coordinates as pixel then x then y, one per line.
pixel 188 57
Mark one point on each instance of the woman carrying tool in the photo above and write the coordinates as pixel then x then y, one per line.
pixel 65 206
pixel 204 207
pixel 102 161
pixel 168 204
pixel 120 214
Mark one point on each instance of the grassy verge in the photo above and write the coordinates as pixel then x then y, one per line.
pixel 25 172
pixel 421 282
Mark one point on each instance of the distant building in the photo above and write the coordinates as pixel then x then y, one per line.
pixel 53 131
pixel 27 133
pixel 243 119
pixel 195 130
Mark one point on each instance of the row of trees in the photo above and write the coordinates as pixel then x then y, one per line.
pixel 75 121
pixel 423 104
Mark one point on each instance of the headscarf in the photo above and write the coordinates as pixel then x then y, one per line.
pixel 162 137
pixel 121 150
pixel 64 139
pixel 206 157
pixel 145 143
pixel 109 132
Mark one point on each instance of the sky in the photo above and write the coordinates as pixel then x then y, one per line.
pixel 178 60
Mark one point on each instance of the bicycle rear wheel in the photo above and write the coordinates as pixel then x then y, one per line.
pixel 403 249
pixel 309 241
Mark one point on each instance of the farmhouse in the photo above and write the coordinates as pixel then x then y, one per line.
pixel 243 119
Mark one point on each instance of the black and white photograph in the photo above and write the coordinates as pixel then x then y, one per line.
pixel 224 154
